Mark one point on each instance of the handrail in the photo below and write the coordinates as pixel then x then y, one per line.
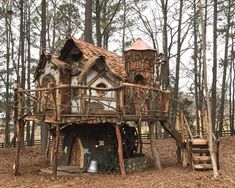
pixel 122 85
pixel 60 108
pixel 145 87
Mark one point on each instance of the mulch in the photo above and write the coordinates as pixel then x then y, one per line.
pixel 172 174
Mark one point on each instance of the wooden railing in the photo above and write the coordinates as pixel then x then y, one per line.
pixel 86 101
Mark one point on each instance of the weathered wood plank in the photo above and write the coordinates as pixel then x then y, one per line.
pixel 202 166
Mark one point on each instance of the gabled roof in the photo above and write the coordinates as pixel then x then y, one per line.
pixel 45 57
pixel 139 44
pixel 87 66
pixel 58 63
pixel 112 60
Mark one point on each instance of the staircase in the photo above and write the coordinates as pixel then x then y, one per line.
pixel 200 155
pixel 194 151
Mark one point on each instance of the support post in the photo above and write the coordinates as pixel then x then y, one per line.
pixel 181 150
pixel 48 144
pixel 217 153
pixel 17 159
pixel 154 151
pixel 120 150
pixel 55 151
pixel 140 137
pixel 190 157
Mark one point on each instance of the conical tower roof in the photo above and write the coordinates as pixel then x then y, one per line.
pixel 139 44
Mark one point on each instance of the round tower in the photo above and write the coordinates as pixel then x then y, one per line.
pixel 139 61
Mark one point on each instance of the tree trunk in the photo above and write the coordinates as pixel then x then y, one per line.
pixel 44 130
pixel 177 72
pixel 88 22
pixel 43 27
pixel 205 86
pixel 28 26
pixel 165 68
pixel 22 57
pixel 154 151
pixel 124 27
pixel 225 66
pixel 44 137
pixel 232 85
pixel 7 119
pixel 54 27
pixel 195 59
pixel 55 151
pixel 213 94
pixel 98 21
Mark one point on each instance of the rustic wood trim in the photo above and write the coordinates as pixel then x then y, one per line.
pixel 55 104
pixel 99 74
pixel 144 87
pixel 121 100
pixel 58 104
pixel 100 98
pixel 61 86
pixel 109 80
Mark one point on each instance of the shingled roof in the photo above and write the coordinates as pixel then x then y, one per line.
pixel 53 59
pixel 113 61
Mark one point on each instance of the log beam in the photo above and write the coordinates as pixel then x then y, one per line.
pixel 120 150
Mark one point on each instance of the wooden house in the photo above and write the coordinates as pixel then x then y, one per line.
pixel 89 95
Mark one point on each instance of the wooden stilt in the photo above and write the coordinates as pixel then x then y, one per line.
pixel 217 154
pixel 181 150
pixel 120 150
pixel 52 147
pixel 55 151
pixel 155 155
pixel 184 156
pixel 48 144
pixel 17 159
pixel 190 158
pixel 140 137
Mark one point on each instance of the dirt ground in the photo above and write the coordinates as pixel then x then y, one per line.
pixel 172 174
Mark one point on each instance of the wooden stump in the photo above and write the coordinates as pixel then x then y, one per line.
pixel 120 150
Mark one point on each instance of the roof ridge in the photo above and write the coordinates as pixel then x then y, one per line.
pixel 97 47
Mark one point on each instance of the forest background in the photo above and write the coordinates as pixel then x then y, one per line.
pixel 195 36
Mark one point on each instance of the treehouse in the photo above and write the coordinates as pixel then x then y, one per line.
pixel 96 101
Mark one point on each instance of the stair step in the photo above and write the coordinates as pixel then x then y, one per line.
pixel 199 141
pixel 202 166
pixel 200 150
pixel 199 159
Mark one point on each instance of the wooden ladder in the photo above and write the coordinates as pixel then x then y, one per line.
pixel 200 155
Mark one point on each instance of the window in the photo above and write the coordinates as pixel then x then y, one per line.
pixel 139 79
pixel 101 85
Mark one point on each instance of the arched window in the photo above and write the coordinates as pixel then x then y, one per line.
pixel 101 85
pixel 48 80
pixel 139 79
